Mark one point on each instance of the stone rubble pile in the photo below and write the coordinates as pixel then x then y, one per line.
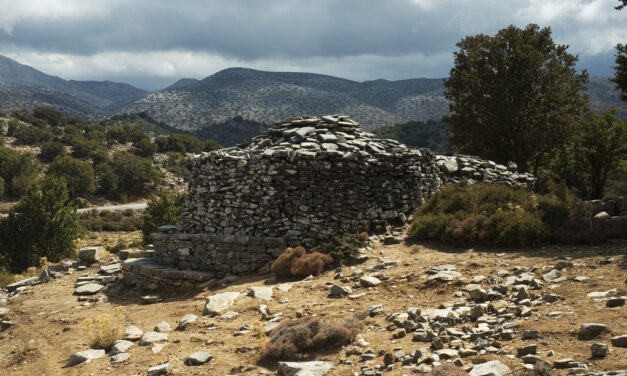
pixel 463 168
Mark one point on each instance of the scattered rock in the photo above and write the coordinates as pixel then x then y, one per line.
pixel 590 331
pixel 151 337
pixel 119 358
pixel 491 368
pixel 120 346
pixel 186 321
pixel 84 356
pixel 219 302
pixel 261 292
pixel 88 289
pixel 527 350
pixel 161 369
pixel 163 326
pixel 338 291
pixel 598 350
pixel 369 281
pixel 314 368
pixel 615 302
pixel 619 341
pixel 90 254
pixel 198 358
pixel 133 333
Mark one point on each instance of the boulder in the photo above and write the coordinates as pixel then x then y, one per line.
pixel 314 368
pixel 590 331
pixel 84 356
pixel 120 346
pixel 186 321
pixel 88 289
pixel 491 368
pixel 198 358
pixel 219 302
pixel 132 333
pixel 261 292
pixel 369 281
pixel 90 254
pixel 619 341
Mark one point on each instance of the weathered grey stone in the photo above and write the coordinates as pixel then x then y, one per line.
pixel 198 358
pixel 132 333
pixel 619 341
pixel 186 321
pixel 219 302
pixel 338 291
pixel 90 254
pixel 84 356
pixel 161 369
pixel 491 368
pixel 444 276
pixel 88 289
pixel 369 281
pixel 120 346
pixel 120 357
pixel 163 326
pixel 261 292
pixel 23 283
pixel 590 331
pixel 149 338
pixel 314 368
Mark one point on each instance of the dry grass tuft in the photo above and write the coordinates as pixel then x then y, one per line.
pixel 105 329
pixel 295 262
pixel 292 338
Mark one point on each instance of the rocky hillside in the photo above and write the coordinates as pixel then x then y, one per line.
pixel 104 96
pixel 271 96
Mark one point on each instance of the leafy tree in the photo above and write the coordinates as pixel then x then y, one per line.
pixel 620 70
pixel 164 209
pixel 136 176
pixel 19 170
pixel 144 147
pixel 79 176
pixel 44 224
pixel 50 150
pixel 50 116
pixel 514 96
pixel 30 135
pixel 604 144
pixel 107 179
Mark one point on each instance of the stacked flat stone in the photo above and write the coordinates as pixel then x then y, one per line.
pixel 464 168
pixel 305 180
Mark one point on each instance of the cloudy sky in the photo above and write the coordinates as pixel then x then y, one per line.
pixel 152 43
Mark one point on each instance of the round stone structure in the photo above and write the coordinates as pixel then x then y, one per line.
pixel 305 180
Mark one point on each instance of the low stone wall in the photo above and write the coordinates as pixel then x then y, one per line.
pixel 459 168
pixel 147 275
pixel 219 254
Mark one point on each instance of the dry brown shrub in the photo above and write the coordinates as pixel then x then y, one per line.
pixel 292 338
pixel 447 369
pixel 294 262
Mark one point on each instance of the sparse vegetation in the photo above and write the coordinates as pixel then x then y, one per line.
pixel 127 220
pixel 103 330
pixel 295 262
pixel 489 214
pixel 294 337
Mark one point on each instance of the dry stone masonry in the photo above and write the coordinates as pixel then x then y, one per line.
pixel 304 181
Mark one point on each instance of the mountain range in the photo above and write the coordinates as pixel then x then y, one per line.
pixel 191 104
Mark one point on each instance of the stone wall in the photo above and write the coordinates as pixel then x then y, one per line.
pixel 304 181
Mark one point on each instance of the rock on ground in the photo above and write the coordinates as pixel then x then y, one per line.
pixel 133 333
pixel 219 302
pixel 120 346
pixel 163 326
pixel 88 289
pixel 90 254
pixel 261 292
pixel 152 337
pixel 619 341
pixel 121 357
pixel 492 368
pixel 186 320
pixel 591 330
pixel 161 369
pixel 84 356
pixel 315 368
pixel 198 358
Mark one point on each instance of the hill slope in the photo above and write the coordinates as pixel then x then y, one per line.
pixel 271 96
pixel 105 95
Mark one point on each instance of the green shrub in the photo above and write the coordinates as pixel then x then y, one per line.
pixel 489 214
pixel 129 220
pixel 43 224
pixel 164 209
pixel 78 175
pixel 19 170
pixel 341 248
pixel 144 147
pixel 30 135
pixel 107 179
pixel 127 175
pixel 50 150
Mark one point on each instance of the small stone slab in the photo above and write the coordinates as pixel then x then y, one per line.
pixel 151 337
pixel 284 287
pixel 84 356
pixel 133 333
pixel 111 269
pixel 161 369
pixel 88 289
pixel 619 341
pixel 120 346
pixel 369 281
pixel 444 276
pixel 590 331
pixel 261 292
pixel 90 254
pixel 219 302
pixel 186 321
pixel 3 312
pixel 163 326
pixel 315 368
pixel 121 357
pixel 338 291
pixel 198 358
pixel 491 368
pixel 23 283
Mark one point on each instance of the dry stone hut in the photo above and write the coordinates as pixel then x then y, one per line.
pixel 305 180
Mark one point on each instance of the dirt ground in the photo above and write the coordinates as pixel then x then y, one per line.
pixel 48 317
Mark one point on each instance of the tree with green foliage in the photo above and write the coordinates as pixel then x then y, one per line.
pixel 78 175
pixel 620 70
pixel 50 150
pixel 144 147
pixel 136 176
pixel 107 180
pixel 50 116
pixel 164 209
pixel 514 96
pixel 19 171
pixel 44 224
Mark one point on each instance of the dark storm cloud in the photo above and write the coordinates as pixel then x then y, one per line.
pixel 143 41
